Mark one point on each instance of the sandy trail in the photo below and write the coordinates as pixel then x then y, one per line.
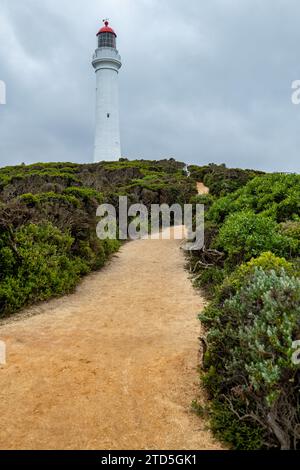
pixel 202 189
pixel 112 366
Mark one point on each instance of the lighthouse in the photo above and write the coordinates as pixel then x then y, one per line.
pixel 107 63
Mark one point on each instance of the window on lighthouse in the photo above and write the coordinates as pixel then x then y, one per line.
pixel 107 40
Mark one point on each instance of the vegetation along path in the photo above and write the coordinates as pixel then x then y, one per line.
pixel 112 366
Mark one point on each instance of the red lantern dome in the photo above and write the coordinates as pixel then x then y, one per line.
pixel 106 29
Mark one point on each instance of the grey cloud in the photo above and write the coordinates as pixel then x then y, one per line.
pixel 201 81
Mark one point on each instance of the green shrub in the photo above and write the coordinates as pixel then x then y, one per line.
pixel 209 278
pixel 275 195
pixel 36 199
pixel 206 199
pixel 228 428
pixel 41 266
pixel 266 261
pixel 220 179
pixel 291 229
pixel 85 194
pixel 245 235
pixel 249 369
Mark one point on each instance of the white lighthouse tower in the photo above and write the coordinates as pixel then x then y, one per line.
pixel 107 63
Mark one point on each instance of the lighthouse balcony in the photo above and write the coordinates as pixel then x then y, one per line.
pixel 106 57
pixel 106 53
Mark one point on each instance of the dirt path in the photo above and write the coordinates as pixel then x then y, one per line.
pixel 202 189
pixel 112 366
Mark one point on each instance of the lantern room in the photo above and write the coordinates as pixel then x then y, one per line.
pixel 107 36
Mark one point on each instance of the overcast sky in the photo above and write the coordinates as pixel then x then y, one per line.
pixel 202 80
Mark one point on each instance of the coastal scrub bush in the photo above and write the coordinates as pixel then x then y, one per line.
pixel 248 368
pixel 274 195
pixel 40 266
pixel 220 179
pixel 245 235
